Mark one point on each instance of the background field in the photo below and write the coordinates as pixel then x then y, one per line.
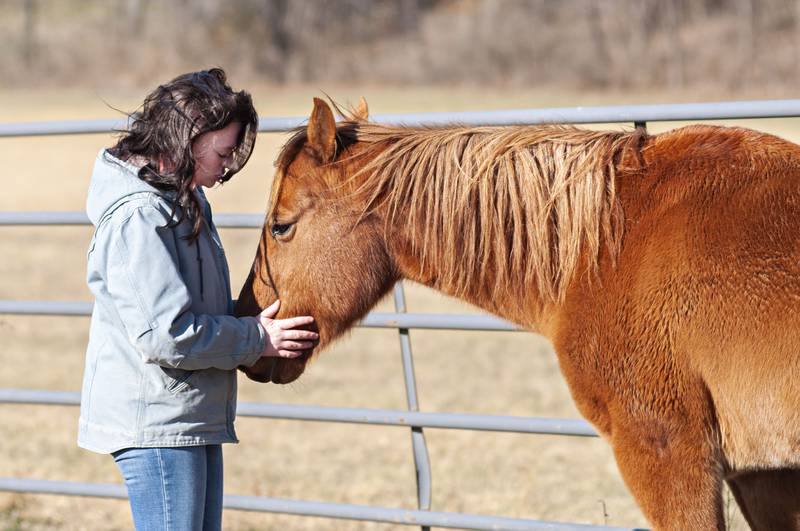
pixel 542 477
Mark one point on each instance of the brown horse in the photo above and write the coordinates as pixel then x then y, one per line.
pixel 664 269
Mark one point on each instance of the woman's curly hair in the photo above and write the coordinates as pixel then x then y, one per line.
pixel 161 133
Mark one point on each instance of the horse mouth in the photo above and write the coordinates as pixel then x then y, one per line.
pixel 277 370
pixel 270 369
pixel 289 370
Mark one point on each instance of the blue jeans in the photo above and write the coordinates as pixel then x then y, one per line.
pixel 173 488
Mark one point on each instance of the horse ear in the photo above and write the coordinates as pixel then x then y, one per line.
pixel 322 132
pixel 361 112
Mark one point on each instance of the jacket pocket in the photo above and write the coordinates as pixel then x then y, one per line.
pixel 177 379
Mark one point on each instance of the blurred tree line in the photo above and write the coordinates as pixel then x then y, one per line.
pixel 621 44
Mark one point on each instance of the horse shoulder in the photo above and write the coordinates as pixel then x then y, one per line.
pixel 701 310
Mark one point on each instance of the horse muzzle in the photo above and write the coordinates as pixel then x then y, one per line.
pixel 277 370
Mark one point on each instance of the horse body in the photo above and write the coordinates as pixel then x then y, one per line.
pixel 718 264
pixel 685 355
pixel 676 325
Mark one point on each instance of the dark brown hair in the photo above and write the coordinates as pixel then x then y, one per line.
pixel 170 119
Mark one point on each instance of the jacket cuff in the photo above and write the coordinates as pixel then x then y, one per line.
pixel 251 357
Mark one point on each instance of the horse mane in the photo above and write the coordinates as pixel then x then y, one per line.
pixel 513 206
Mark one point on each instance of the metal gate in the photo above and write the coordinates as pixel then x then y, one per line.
pixel 400 320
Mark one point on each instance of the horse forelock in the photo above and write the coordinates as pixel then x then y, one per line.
pixel 488 204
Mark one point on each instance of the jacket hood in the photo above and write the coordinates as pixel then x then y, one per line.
pixel 113 181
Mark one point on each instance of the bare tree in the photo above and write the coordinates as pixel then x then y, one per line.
pixel 135 13
pixel 675 58
pixel 746 16
pixel 599 42
pixel 797 40
pixel 29 32
pixel 278 46
pixel 577 43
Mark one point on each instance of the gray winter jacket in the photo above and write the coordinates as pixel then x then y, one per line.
pixel 163 345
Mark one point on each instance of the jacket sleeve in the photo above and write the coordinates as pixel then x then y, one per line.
pixel 152 299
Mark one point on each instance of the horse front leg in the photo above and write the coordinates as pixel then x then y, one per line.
pixel 673 470
pixel 655 412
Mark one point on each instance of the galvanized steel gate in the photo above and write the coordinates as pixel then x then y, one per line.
pixel 401 320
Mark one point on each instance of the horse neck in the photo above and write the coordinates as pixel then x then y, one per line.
pixel 502 233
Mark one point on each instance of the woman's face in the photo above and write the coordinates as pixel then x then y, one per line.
pixel 212 152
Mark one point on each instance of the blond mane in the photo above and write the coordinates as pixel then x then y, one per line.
pixel 516 206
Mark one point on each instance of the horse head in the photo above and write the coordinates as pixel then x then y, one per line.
pixel 319 252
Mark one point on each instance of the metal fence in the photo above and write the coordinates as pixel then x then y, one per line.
pixel 412 418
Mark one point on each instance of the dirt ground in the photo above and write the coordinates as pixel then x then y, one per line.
pixel 532 476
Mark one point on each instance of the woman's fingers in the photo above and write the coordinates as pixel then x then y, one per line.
pixel 300 334
pixel 294 322
pixel 296 345
pixel 270 311
pixel 285 340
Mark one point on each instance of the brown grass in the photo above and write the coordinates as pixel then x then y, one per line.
pixel 542 477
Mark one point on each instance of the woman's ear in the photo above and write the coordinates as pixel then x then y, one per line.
pixel 322 132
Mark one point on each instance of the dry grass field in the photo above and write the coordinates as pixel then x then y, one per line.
pixel 541 477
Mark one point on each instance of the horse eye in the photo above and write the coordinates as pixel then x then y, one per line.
pixel 279 229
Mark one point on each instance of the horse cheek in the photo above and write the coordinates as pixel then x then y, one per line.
pixel 352 273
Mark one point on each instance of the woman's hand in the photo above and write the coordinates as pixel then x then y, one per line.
pixel 283 340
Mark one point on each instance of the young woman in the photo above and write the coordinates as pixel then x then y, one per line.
pixel 159 389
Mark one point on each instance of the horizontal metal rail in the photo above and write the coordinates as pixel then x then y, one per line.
pixel 430 321
pixel 33 218
pixel 384 417
pixel 727 110
pixel 310 508
pixel 103 126
pixel 60 308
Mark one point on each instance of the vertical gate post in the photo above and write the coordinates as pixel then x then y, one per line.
pixel 421 461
